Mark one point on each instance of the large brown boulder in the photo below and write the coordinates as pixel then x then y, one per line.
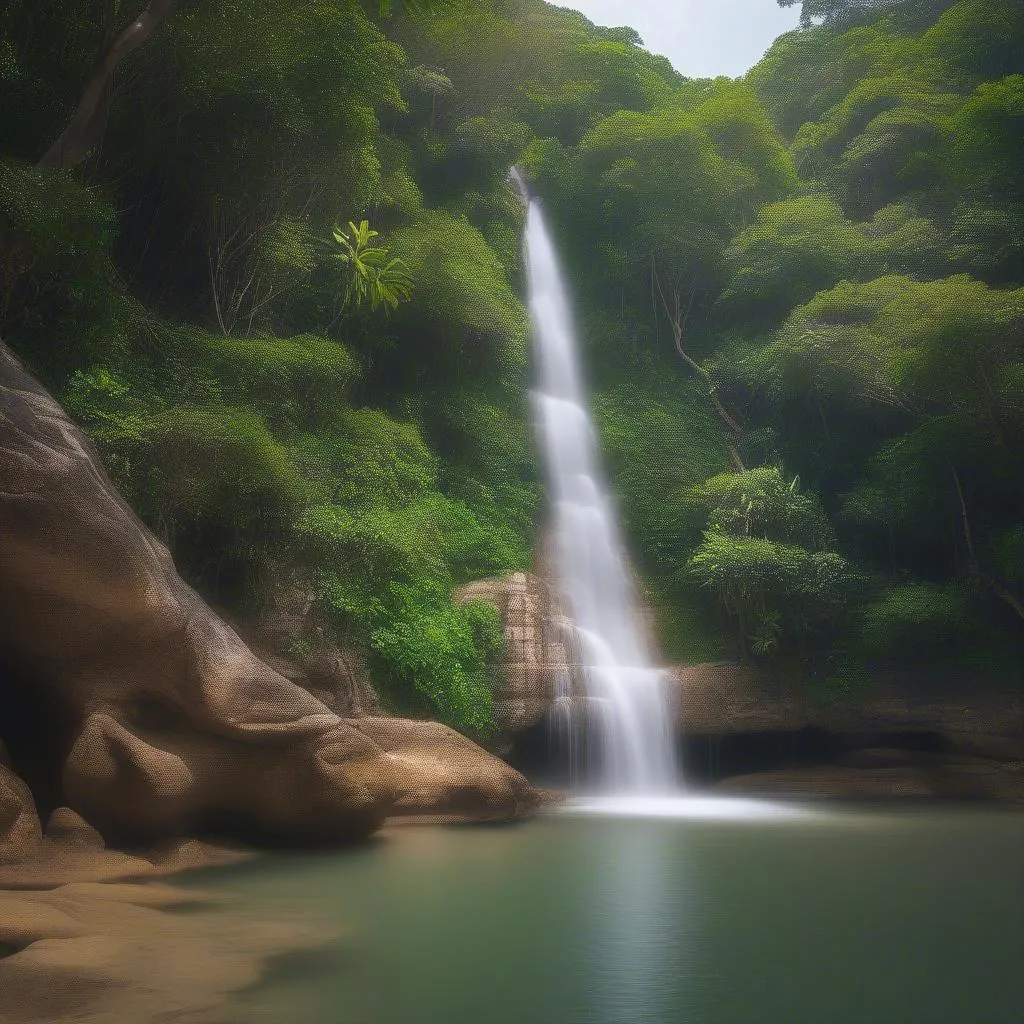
pixel 438 772
pixel 169 722
pixel 20 831
pixel 161 720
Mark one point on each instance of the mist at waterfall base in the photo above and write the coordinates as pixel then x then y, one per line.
pixel 623 688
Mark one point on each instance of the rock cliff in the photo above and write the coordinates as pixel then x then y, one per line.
pixel 125 697
pixel 762 720
pixel 526 682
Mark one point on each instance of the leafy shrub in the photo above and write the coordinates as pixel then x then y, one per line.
pixel 385 581
pixel 764 555
pixel 758 503
pixel 62 303
pixel 302 380
pixel 914 621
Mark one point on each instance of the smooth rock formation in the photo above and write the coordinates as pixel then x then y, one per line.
pixel 724 699
pixel 153 714
pixel 71 850
pixel 65 826
pixel 945 780
pixel 438 772
pixel 20 831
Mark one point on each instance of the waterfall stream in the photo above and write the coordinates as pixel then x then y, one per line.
pixel 626 693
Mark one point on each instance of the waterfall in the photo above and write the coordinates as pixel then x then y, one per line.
pixel 625 690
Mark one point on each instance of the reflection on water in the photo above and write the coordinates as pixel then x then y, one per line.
pixel 633 945
pixel 726 915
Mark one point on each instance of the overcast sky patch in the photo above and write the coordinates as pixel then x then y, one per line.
pixel 702 38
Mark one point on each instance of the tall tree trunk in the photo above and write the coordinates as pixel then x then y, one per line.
pixel 86 125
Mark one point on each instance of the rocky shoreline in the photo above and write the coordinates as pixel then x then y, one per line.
pixel 132 717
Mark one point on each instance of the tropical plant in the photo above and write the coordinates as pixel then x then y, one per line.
pixel 374 275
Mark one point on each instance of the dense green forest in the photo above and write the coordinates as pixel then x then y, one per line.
pixel 801 294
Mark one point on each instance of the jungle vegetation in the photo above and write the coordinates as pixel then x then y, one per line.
pixel 268 256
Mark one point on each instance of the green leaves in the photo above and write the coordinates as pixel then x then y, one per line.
pixel 801 246
pixel 418 7
pixel 464 291
pixel 911 623
pixel 777 594
pixel 432 81
pixel 764 554
pixel 374 275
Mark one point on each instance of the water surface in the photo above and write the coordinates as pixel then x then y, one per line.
pixel 795 916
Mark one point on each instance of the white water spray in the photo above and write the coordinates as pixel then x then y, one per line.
pixel 627 692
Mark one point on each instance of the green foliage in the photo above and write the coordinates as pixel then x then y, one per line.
pixel 912 622
pixel 298 380
pixel 1009 555
pixel 986 136
pixel 440 650
pixel 674 182
pixel 987 241
pixel 463 285
pixel 210 458
pixel 60 290
pixel 801 246
pixel 764 556
pixel 774 591
pixel 839 238
pixel 368 460
pixel 657 447
pixel 979 39
pixel 420 641
pixel 374 275
pixel 488 146
pixel 117 417
pixel 759 503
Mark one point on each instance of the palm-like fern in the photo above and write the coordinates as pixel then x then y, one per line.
pixel 374 275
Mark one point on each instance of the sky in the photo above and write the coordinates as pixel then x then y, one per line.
pixel 702 38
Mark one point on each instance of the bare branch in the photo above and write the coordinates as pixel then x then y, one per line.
pixel 214 290
pixel 677 321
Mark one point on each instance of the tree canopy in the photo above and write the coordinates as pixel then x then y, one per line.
pixel 276 272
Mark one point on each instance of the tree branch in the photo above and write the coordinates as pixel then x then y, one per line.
pixel 86 125
pixel 677 321
pixel 972 557
pixel 996 587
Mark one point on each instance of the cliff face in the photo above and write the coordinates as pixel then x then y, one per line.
pixel 760 727
pixel 124 696
pixel 526 682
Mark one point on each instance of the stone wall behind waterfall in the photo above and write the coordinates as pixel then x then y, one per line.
pixel 723 705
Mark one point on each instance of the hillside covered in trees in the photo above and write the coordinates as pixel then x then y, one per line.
pixel 273 265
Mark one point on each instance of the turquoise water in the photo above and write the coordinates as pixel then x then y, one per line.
pixel 880 916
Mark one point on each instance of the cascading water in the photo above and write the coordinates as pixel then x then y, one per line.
pixel 627 692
